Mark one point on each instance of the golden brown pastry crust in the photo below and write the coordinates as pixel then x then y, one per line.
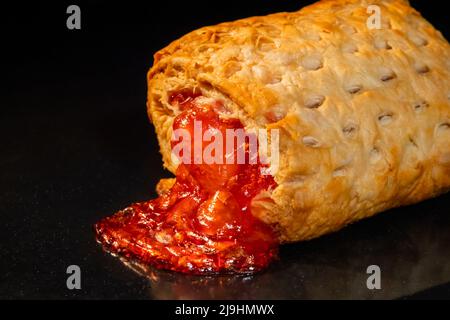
pixel 164 185
pixel 364 115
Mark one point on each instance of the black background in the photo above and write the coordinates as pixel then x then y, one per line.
pixel 76 145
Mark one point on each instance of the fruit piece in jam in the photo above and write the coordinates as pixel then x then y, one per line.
pixel 203 224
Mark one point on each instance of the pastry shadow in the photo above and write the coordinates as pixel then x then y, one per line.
pixel 410 245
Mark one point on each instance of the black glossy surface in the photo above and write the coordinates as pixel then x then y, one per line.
pixel 77 146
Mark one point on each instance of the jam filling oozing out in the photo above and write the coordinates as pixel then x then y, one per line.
pixel 203 224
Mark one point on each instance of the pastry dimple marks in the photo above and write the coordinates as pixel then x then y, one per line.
pixel 387 74
pixel 421 68
pixel 350 130
pixel 230 68
pixel 204 48
pixel 312 63
pixel 268 29
pixel 311 142
pixel 340 172
pixel 412 142
pixel 265 44
pixel 420 106
pixel 266 76
pixel 385 118
pixel 375 155
pixel 275 114
pixel 444 126
pixel 353 88
pixel 350 48
pixel 314 101
pixel 381 44
pixel 348 29
pixel 417 39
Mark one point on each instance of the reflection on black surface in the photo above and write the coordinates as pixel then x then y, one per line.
pixel 409 244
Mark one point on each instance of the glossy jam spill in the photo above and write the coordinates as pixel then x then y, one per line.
pixel 203 224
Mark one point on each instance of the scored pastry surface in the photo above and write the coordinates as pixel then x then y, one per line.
pixel 363 114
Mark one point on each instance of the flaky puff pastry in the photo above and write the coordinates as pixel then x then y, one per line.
pixel 363 114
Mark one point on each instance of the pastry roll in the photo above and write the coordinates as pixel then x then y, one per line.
pixel 358 92
pixel 363 114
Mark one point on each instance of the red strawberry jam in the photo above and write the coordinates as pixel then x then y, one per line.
pixel 203 224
